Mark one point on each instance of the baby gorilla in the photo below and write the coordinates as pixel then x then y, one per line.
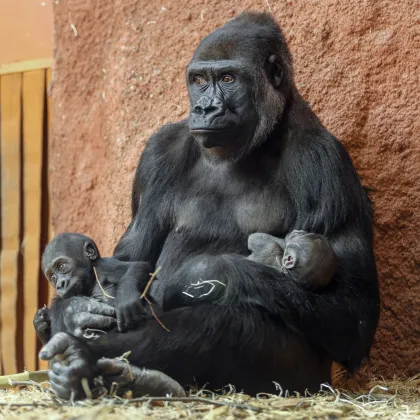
pixel 69 262
pixel 306 257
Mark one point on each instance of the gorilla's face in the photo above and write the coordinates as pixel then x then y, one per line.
pixel 223 114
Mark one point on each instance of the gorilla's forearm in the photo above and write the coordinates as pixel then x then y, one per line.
pixel 344 337
pixel 142 241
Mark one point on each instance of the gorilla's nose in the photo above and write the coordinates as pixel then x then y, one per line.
pixel 209 107
pixel 61 284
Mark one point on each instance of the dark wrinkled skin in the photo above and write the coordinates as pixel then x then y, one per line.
pixel 252 157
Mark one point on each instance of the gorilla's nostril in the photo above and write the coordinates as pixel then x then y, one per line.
pixel 198 110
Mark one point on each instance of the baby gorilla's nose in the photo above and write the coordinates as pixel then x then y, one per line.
pixel 61 284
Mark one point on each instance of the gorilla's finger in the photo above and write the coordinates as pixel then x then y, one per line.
pixel 58 367
pixel 95 321
pixel 61 391
pixel 121 321
pixel 110 366
pixel 57 379
pixel 99 308
pixel 57 345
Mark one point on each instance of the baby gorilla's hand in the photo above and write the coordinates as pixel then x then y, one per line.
pixel 128 305
pixel 42 324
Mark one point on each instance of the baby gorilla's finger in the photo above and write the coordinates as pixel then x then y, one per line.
pixel 94 321
pixel 57 345
pixel 110 367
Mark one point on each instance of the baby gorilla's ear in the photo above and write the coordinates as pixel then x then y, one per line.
pixel 90 251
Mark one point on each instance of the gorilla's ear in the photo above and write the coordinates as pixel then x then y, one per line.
pixel 90 251
pixel 274 71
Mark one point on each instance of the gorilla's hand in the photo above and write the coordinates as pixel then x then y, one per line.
pixel 84 313
pixel 140 381
pixel 42 324
pixel 129 307
pixel 70 362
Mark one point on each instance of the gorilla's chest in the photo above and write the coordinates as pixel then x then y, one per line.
pixel 219 213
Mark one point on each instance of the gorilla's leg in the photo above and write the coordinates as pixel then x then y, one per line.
pixel 249 338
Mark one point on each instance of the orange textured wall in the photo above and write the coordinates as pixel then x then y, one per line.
pixel 26 28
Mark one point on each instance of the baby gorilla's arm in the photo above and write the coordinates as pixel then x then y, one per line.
pixel 266 249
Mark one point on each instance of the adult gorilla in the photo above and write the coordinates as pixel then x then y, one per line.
pixel 252 157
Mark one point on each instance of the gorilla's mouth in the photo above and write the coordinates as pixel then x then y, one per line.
pixel 208 130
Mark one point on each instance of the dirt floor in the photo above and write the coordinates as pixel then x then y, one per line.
pixel 387 400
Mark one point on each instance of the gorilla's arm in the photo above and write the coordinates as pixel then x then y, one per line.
pixel 145 235
pixel 339 320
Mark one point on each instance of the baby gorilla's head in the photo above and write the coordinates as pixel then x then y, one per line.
pixel 67 263
pixel 310 257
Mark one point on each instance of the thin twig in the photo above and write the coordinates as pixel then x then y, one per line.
pixel 124 358
pixel 27 383
pixel 86 388
pixel 33 404
pixel 149 283
pixel 155 316
pixel 144 296
pixel 100 285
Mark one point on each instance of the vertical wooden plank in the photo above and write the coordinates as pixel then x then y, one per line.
pixel 10 103
pixel 47 229
pixel 1 356
pixel 33 122
pixel 50 225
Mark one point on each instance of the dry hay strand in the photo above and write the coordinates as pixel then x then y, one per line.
pixel 397 399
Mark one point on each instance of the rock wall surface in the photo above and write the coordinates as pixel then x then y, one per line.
pixel 119 75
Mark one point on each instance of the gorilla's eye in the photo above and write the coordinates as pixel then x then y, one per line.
pixel 53 278
pixel 228 78
pixel 61 268
pixel 199 80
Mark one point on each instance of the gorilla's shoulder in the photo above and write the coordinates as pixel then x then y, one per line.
pixel 170 136
pixel 168 150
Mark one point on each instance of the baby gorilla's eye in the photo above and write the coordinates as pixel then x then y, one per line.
pixel 228 78
pixel 61 268
pixel 53 278
pixel 199 80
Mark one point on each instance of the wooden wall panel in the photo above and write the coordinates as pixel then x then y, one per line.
pixel 25 226
pixel 10 103
pixel 33 132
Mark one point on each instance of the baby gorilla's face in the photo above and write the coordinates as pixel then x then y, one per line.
pixel 67 263
pixel 69 276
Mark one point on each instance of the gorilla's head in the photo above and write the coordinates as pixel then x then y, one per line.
pixel 239 80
